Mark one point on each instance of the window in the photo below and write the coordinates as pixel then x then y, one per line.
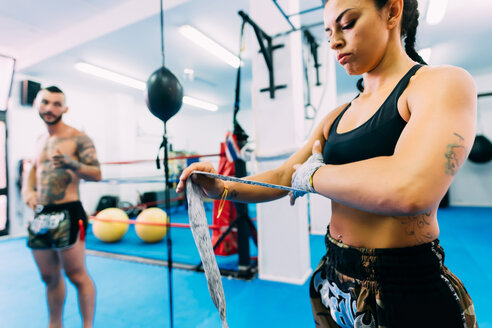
pixel 7 65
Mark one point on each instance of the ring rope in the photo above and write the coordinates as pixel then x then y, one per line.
pixel 153 160
pixel 160 224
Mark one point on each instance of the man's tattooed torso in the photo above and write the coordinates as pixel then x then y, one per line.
pixel 59 185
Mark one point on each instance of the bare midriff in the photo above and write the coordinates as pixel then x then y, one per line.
pixel 368 230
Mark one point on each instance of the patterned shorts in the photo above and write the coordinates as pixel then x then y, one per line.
pixel 388 288
pixel 56 225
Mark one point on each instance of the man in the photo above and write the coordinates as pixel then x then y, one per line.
pixel 64 155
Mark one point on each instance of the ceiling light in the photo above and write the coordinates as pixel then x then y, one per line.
pixel 189 71
pixel 200 103
pixel 189 74
pixel 137 84
pixel 425 54
pixel 210 45
pixel 435 11
pixel 109 75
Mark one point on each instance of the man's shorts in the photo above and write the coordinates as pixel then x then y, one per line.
pixel 56 225
pixel 388 288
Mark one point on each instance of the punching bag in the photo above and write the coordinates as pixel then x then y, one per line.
pixel 481 151
pixel 163 94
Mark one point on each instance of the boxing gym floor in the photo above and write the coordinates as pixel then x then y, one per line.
pixel 126 70
pixel 131 294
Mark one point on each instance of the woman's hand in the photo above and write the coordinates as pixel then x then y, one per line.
pixel 301 178
pixel 212 187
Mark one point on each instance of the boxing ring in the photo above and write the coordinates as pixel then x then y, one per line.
pixel 150 194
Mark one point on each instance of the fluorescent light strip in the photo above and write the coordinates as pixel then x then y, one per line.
pixel 109 75
pixel 210 45
pixel 200 103
pixel 137 84
pixel 436 11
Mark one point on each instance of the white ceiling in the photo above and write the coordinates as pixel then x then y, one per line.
pixel 47 37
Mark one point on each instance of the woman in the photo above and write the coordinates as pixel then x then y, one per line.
pixel 385 160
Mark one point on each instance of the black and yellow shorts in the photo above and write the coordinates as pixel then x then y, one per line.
pixel 56 225
pixel 388 288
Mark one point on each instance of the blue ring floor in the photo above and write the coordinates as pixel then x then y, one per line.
pixel 135 295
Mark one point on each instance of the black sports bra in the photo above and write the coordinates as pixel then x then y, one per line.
pixel 376 137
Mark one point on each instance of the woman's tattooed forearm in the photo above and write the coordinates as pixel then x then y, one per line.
pixel 455 155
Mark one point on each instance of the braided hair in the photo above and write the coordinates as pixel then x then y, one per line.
pixel 409 23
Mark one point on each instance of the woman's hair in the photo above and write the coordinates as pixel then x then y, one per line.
pixel 409 23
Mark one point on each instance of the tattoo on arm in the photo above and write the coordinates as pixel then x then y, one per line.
pixel 87 151
pixel 454 155
pixel 233 194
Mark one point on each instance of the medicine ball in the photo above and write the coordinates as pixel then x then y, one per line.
pixel 481 151
pixel 107 231
pixel 151 233
pixel 164 94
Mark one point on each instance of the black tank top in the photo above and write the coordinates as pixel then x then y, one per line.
pixel 376 137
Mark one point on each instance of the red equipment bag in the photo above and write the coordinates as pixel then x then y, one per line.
pixel 228 214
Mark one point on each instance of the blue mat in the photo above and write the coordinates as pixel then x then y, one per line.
pixel 135 295
pixel 466 239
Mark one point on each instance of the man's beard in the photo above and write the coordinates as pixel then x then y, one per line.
pixel 57 119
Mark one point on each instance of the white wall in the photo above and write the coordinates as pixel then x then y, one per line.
pixel 122 129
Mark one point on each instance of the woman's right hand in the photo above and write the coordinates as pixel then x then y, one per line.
pixel 212 187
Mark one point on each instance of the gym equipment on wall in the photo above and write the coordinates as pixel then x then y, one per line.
pixel 266 48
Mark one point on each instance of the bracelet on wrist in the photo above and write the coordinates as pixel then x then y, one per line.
pixel 311 183
pixel 223 198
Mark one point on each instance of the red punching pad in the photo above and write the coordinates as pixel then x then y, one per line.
pixel 228 214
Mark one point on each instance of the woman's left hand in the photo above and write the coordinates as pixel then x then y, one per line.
pixel 301 178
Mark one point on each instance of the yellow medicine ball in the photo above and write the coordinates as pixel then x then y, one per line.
pixel 110 232
pixel 151 233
